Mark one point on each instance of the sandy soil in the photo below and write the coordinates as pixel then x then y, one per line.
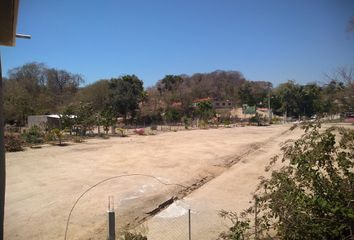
pixel 43 184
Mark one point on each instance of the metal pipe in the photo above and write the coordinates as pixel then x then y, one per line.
pixel 269 111
pixel 189 225
pixel 111 219
pixel 25 36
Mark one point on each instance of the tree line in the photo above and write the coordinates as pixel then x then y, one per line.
pixel 35 88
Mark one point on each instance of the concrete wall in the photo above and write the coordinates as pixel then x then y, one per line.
pixel 38 120
pixel 43 121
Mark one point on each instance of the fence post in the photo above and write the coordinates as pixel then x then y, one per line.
pixel 189 225
pixel 111 219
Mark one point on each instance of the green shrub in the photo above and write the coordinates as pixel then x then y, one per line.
pixel 58 134
pixel 187 122
pixel 121 132
pixel 49 136
pixel 276 120
pixel 153 127
pixel 34 135
pixel 203 124
pixel 77 139
pixel 13 142
pixel 258 119
pixel 310 196
pixel 104 136
pixel 133 236
pixel 226 122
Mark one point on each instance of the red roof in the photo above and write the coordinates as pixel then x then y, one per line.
pixel 176 104
pixel 202 100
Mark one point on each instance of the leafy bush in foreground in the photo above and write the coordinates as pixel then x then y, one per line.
pixel 311 197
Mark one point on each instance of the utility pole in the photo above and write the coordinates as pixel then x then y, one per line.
pixel 269 110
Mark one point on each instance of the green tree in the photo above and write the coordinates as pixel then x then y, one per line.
pixel 108 118
pixel 85 117
pixel 246 94
pixel 58 134
pixel 17 102
pixel 288 94
pixel 310 102
pixel 126 93
pixel 169 83
pixel 34 88
pixel 330 95
pixel 312 195
pixel 67 118
pixel 173 115
pixel 205 110
pixel 23 91
pixel 96 93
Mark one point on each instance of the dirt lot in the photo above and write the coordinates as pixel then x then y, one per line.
pixel 43 184
pixel 231 191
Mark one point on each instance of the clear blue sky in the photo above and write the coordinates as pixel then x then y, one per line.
pixel 273 40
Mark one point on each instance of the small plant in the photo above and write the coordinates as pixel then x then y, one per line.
pixel 49 136
pixel 34 135
pixel 187 122
pixel 104 136
pixel 258 119
pixel 275 120
pixel 77 139
pixel 239 228
pixel 203 124
pixel 133 236
pixel 121 132
pixel 226 122
pixel 58 134
pixel 13 142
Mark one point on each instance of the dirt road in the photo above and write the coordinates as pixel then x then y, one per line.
pixel 231 191
pixel 43 184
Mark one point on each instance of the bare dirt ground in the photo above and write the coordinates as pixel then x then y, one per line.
pixel 231 191
pixel 43 184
